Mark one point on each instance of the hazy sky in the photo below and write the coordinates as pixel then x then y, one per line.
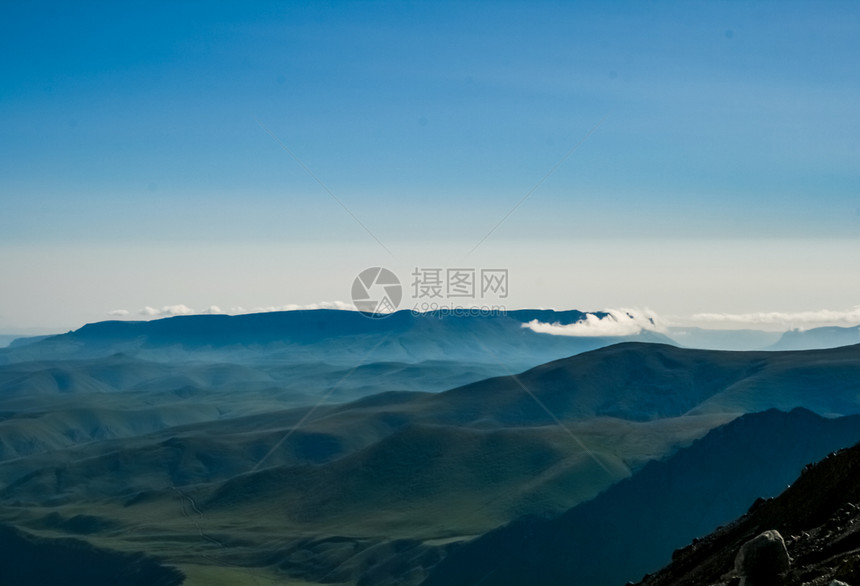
pixel 144 154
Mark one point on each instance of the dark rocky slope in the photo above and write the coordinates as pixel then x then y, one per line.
pixel 818 517
pixel 29 560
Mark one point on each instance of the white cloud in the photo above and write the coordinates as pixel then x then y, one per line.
pixel 820 317
pixel 295 307
pixel 174 310
pixel 617 322
pixel 177 310
pixel 166 311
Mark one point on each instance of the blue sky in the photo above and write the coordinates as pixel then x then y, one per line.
pixel 137 140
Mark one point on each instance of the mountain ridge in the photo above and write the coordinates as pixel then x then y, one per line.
pixel 339 335
pixel 818 338
pixel 633 527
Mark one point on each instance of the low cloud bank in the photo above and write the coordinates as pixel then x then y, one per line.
pixel 294 307
pixel 822 317
pixel 617 322
pixel 181 309
pixel 166 311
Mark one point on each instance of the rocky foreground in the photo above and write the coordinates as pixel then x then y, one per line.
pixel 807 536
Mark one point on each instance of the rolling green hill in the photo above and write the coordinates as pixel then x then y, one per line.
pixel 633 527
pixel 190 463
pixel 642 382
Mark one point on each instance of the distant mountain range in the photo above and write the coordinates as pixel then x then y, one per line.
pixel 333 336
pixel 118 379
pixel 826 337
pixel 705 339
pixel 20 339
pixel 348 336
pixel 325 446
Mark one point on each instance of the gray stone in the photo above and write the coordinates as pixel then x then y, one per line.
pixel 762 560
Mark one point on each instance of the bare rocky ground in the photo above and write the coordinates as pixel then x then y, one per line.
pixel 818 517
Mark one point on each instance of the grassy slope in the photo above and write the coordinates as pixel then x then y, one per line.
pixel 634 526
pixel 334 494
pixel 424 483
pixel 46 406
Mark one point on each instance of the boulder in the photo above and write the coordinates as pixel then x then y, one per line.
pixel 763 560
